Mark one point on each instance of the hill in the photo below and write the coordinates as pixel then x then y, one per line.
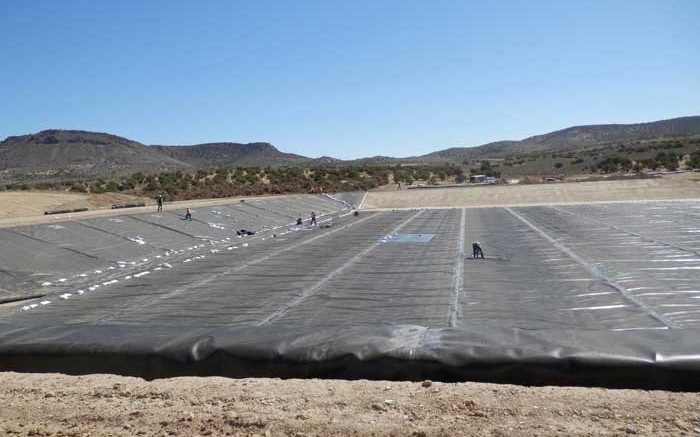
pixel 577 138
pixel 81 154
pixel 582 136
pixel 487 150
pixel 59 155
pixel 55 155
pixel 218 155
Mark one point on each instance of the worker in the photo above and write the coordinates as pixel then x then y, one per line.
pixel 188 214
pixel 313 218
pixel 160 202
pixel 477 251
pixel 299 222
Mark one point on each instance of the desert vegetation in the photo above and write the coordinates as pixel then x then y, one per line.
pixel 216 183
pixel 601 161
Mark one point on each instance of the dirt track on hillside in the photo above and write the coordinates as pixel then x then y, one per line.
pixel 102 405
pixel 571 192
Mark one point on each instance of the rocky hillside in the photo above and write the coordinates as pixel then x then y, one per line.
pixel 217 155
pixel 581 136
pixel 54 155
pixel 79 154
pixel 577 138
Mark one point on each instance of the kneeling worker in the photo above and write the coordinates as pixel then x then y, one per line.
pixel 477 251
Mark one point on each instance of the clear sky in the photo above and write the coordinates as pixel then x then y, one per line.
pixel 344 78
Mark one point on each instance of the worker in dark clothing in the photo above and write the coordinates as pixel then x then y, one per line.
pixel 313 218
pixel 477 251
pixel 299 222
pixel 188 214
pixel 160 202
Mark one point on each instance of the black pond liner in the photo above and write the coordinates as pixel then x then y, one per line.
pixel 591 295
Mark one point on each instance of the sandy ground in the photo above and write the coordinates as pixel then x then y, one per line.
pixel 102 405
pixel 26 203
pixel 34 203
pixel 665 188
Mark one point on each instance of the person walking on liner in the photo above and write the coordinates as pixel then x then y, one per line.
pixel 477 251
pixel 313 218
pixel 188 214
pixel 160 202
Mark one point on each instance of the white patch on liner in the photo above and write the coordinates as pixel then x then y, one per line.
pixel 602 307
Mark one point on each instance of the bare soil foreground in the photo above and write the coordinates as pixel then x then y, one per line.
pixel 679 187
pixel 100 405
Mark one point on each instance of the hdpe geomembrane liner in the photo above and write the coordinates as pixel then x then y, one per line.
pixel 561 298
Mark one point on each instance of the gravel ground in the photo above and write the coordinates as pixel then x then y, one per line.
pixel 106 405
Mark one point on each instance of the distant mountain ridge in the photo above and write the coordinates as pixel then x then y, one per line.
pixel 74 153
pixel 606 133
pixel 212 155
pixel 577 137
pixel 81 153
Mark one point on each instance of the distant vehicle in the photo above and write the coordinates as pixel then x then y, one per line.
pixel 552 178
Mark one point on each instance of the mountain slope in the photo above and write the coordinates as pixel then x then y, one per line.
pixel 66 154
pixel 578 137
pixel 232 155
pixel 486 150
pixel 81 152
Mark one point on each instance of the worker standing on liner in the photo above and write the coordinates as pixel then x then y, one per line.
pixel 477 251
pixel 188 214
pixel 313 218
pixel 160 202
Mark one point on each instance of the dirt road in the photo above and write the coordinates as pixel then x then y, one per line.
pixel 101 405
pixel 493 195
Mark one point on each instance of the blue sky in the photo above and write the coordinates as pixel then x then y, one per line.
pixel 344 78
